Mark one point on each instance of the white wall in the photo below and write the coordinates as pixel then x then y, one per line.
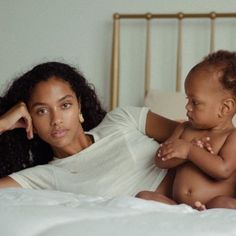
pixel 75 31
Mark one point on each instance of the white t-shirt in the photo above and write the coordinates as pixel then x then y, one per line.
pixel 119 162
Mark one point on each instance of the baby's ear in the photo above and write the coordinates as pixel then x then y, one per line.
pixel 229 106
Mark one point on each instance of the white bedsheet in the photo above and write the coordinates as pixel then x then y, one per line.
pixel 25 212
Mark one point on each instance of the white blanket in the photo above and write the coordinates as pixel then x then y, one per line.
pixel 26 212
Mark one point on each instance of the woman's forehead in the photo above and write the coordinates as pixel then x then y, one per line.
pixel 52 89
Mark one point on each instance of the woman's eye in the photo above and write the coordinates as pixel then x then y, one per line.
pixel 41 111
pixel 195 103
pixel 66 105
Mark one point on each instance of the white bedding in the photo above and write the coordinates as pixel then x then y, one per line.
pixel 27 212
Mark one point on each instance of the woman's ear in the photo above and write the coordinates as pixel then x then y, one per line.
pixel 81 118
pixel 228 106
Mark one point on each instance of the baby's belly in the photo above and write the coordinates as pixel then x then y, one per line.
pixel 191 185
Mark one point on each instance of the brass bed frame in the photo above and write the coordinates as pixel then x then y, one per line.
pixel 115 65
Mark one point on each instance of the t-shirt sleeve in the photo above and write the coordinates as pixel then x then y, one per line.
pixel 129 116
pixel 37 177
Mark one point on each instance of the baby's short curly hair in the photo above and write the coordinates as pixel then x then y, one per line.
pixel 225 62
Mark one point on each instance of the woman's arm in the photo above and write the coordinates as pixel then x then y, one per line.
pixel 17 117
pixel 8 182
pixel 159 127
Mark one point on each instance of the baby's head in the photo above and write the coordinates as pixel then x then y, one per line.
pixel 211 89
pixel 222 65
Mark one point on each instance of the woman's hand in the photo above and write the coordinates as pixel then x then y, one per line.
pixel 17 117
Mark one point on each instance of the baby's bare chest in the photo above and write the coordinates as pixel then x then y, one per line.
pixel 216 140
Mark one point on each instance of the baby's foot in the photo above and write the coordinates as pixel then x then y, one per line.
pixel 199 206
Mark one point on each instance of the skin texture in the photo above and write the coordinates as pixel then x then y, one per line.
pixel 203 175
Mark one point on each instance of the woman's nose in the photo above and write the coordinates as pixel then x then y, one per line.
pixel 56 119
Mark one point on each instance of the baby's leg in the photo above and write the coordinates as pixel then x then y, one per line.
pixel 166 186
pixel 149 195
pixel 163 192
pixel 222 202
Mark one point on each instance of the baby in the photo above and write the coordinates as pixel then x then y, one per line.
pixel 202 174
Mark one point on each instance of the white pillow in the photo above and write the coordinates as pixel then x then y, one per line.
pixel 168 104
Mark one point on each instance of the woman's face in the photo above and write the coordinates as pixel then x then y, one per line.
pixel 55 110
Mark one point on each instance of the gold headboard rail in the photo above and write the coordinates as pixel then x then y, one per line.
pixel 115 65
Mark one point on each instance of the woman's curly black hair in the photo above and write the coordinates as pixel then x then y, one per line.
pixel 16 151
pixel 224 62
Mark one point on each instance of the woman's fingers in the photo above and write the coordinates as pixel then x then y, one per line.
pixel 26 119
pixel 29 127
pixel 18 117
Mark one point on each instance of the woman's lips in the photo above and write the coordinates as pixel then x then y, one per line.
pixel 59 133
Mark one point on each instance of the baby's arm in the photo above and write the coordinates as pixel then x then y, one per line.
pixel 219 166
pixel 173 162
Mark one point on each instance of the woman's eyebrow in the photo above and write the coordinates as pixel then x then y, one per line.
pixel 37 104
pixel 65 97
pixel 43 104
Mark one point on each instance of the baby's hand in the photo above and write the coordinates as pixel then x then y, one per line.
pixel 178 148
pixel 203 143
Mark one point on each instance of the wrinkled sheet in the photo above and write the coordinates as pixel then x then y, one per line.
pixel 25 212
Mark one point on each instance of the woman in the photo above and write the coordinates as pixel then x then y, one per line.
pixel 52 115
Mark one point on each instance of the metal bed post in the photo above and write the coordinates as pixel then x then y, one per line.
pixel 148 55
pixel 179 53
pixel 115 66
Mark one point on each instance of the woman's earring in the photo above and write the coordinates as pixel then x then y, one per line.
pixel 81 118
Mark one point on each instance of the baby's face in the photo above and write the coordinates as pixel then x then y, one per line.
pixel 205 96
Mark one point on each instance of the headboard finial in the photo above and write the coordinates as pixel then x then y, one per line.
pixel 180 15
pixel 148 16
pixel 213 15
pixel 116 16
